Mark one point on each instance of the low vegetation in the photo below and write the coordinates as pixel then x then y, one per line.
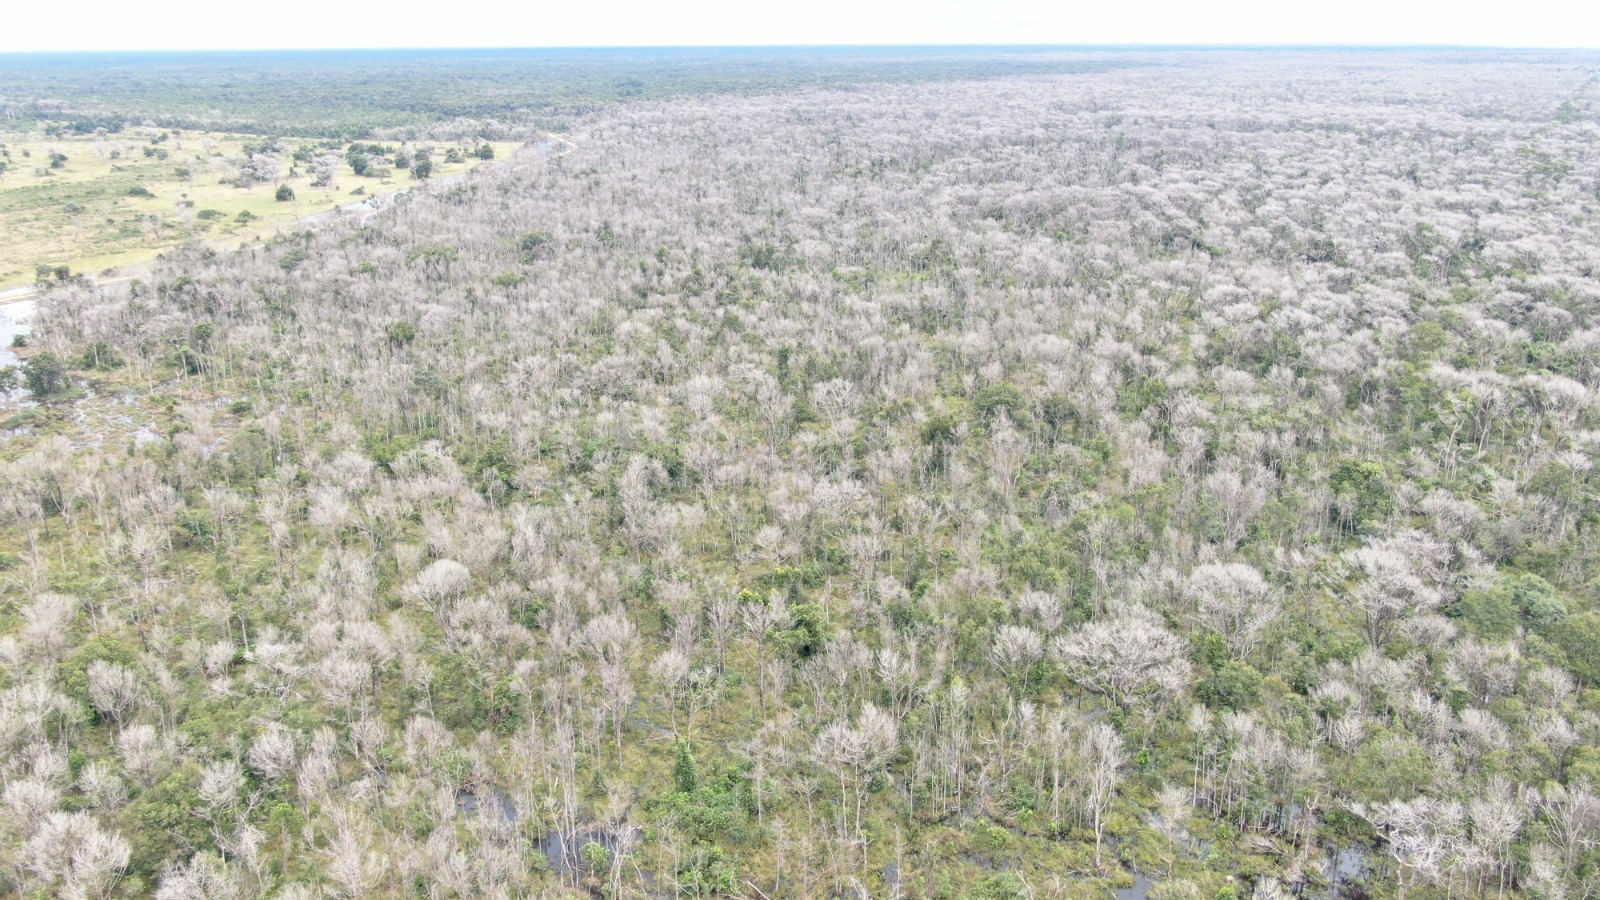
pixel 108 200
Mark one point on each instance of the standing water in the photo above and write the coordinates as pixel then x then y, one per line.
pixel 15 320
pixel 1139 890
pixel 1345 867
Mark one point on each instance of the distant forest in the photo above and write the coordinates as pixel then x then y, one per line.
pixel 361 93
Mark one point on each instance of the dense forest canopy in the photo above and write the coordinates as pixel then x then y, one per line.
pixel 1176 479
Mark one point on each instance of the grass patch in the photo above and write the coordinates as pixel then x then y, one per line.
pixel 109 205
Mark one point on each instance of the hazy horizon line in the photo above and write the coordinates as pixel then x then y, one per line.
pixel 1093 47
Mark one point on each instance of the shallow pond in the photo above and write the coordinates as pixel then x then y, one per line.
pixel 15 319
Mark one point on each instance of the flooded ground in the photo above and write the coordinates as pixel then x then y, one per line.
pixel 96 414
pixel 15 320
pixel 1139 890
pixel 563 850
pixel 1344 870
pixel 1345 867
pixel 490 800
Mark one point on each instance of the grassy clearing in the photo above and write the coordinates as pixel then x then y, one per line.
pixel 120 200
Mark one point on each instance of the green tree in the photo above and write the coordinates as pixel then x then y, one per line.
pixel 1489 614
pixel 530 242
pixel 596 858
pixel 284 194
pixel 1579 639
pixel 435 260
pixel 1518 600
pixel 806 633
pixel 685 773
pixel 100 356
pixel 401 334
pixel 706 872
pixel 45 375
pixel 996 397
pixel 1537 601
pixel 1425 340
pixel 1231 685
pixel 1360 491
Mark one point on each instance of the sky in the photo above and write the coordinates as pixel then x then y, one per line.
pixel 206 24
